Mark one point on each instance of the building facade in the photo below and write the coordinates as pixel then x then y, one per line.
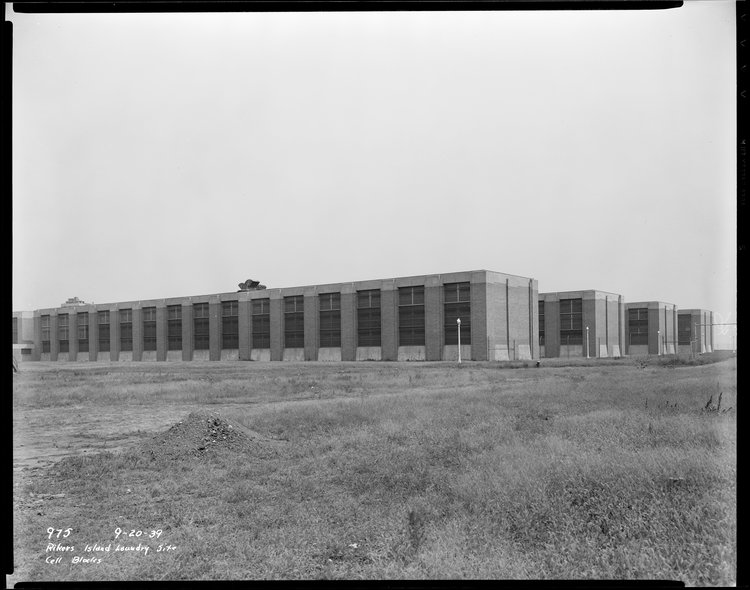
pixel 23 335
pixel 398 319
pixel 570 320
pixel 650 328
pixel 695 334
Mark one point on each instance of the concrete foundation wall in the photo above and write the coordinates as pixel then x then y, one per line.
pixel 572 350
pixel 500 353
pixel 450 352
pixel 174 355
pixel 412 353
pixel 201 355
pixel 524 352
pixel 294 354
pixel 368 353
pixel 125 356
pixel 148 355
pixel 230 354
pixel 329 354
pixel 260 354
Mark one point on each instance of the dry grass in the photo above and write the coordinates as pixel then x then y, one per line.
pixel 425 470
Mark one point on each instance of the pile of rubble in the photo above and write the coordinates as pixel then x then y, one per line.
pixel 200 434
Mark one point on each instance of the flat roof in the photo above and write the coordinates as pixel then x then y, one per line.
pixel 457 276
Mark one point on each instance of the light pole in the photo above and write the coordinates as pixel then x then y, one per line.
pixel 587 342
pixel 658 342
pixel 458 323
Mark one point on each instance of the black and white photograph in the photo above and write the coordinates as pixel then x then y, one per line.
pixel 380 294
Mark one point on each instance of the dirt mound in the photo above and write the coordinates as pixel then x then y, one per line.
pixel 201 434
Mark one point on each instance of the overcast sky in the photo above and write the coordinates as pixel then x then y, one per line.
pixel 180 154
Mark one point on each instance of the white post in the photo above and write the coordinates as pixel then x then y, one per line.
pixel 587 342
pixel 658 342
pixel 458 322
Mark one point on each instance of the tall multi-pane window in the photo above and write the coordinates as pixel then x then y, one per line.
pixel 541 323
pixel 571 321
pixel 15 330
pixel 103 321
pixel 45 333
pixel 411 316
pixel 230 324
pixel 294 322
pixel 368 318
pixel 63 334
pixel 329 305
pixel 261 323
pixel 200 326
pixel 126 329
pixel 149 328
pixel 174 327
pixel 684 331
pixel 83 331
pixel 638 325
pixel 457 306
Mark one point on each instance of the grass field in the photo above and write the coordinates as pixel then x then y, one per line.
pixel 618 469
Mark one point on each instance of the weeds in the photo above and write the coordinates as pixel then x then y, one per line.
pixel 424 472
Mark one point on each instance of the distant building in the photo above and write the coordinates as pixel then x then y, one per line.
pixel 695 332
pixel 398 319
pixel 23 335
pixel 565 316
pixel 650 328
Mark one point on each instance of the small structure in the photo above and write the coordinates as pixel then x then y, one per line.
pixel 250 285
pixel 73 302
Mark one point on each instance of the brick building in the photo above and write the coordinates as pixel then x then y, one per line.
pixel 695 331
pixel 567 318
pixel 650 328
pixel 406 318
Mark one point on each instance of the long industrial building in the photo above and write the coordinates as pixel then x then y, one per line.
pixel 398 319
pixel 581 323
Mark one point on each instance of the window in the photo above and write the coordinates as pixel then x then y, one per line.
pixel 541 323
pixel 330 319
pixel 571 321
pixel 200 326
pixel 261 323
pixel 411 316
pixel 294 322
pixel 103 319
pixel 15 330
pixel 83 331
pixel 368 318
pixel 149 328
pixel 638 325
pixel 684 329
pixel 45 333
pixel 174 327
pixel 126 329
pixel 63 333
pixel 230 325
pixel 457 306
